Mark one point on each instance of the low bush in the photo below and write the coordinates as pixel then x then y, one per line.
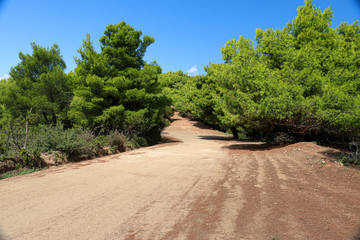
pixel 117 141
pixel 2 148
pixel 12 137
pixel 74 142
pixel 31 160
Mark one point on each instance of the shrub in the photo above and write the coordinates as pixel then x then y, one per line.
pixel 117 141
pixel 31 160
pixel 74 142
pixel 12 137
pixel 2 147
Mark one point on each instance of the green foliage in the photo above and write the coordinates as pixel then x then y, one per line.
pixel 112 93
pixel 122 47
pixel 3 149
pixel 172 84
pixel 302 80
pixel 90 62
pixel 38 85
pixel 30 160
pixel 318 64
pixel 201 94
pixel 116 89
pixel 12 138
pixel 117 141
pixel 190 95
pixel 299 82
pixel 74 142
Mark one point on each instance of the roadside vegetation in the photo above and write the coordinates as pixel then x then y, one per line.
pixel 298 83
pixel 301 82
pixel 110 103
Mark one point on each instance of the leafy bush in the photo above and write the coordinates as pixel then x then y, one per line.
pixel 74 142
pixel 31 160
pixel 137 141
pixel 3 149
pixel 12 135
pixel 117 141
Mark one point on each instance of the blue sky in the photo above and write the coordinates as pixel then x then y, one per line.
pixel 188 34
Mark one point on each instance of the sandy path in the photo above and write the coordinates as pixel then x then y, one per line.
pixel 202 186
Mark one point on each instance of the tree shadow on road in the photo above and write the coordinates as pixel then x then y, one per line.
pixel 174 119
pixel 201 125
pixel 331 153
pixel 214 137
pixel 167 139
pixel 255 146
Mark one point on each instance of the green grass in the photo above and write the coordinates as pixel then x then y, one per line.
pixel 7 175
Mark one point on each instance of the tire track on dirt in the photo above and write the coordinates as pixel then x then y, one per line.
pixel 201 218
pixel 296 201
pixel 267 211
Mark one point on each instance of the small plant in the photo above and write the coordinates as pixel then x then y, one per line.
pixel 113 150
pixel 100 141
pixel 2 149
pixel 30 160
pixel 349 160
pixel 117 141
pixel 25 157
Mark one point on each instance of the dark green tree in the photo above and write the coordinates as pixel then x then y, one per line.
pixel 116 88
pixel 123 48
pixel 39 84
pixel 302 79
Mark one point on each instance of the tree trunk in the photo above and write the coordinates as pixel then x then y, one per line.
pixel 234 132
pixel 54 119
pixel 46 118
pixel 26 130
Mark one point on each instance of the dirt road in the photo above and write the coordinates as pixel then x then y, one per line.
pixel 201 185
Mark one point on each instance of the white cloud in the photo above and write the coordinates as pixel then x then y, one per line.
pixel 193 71
pixel 6 76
